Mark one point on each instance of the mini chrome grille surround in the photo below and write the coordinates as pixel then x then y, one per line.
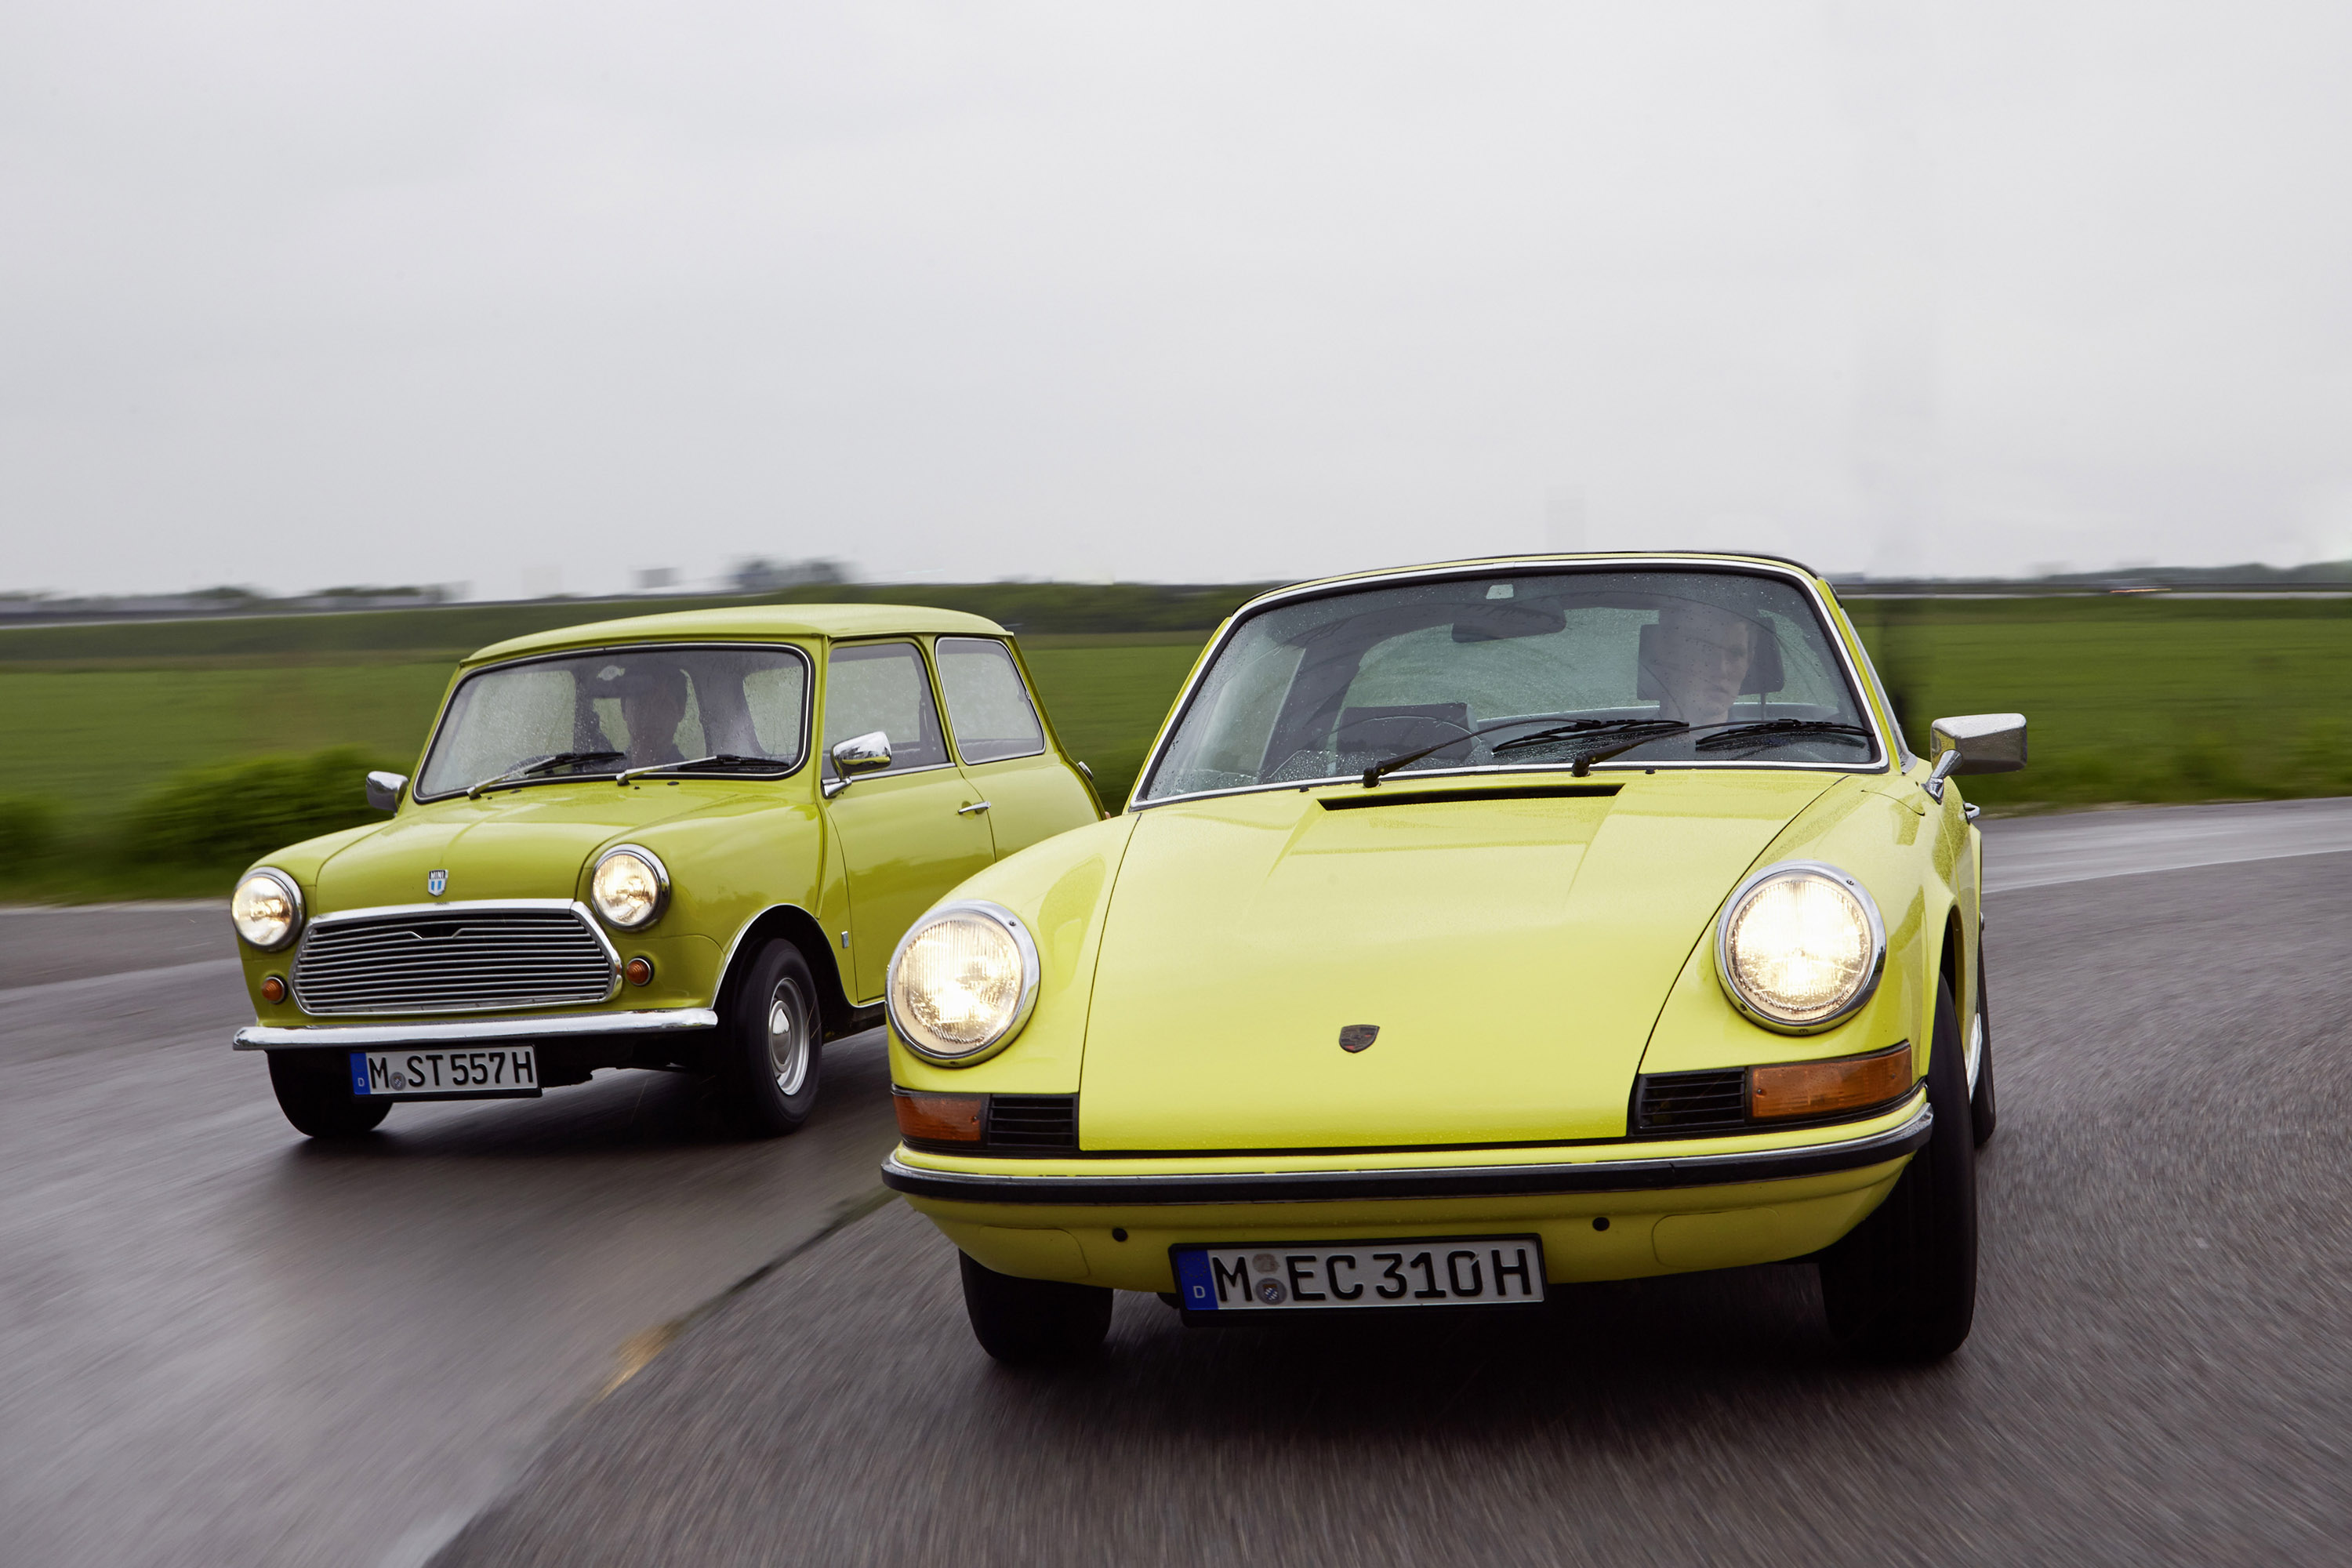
pixel 454 958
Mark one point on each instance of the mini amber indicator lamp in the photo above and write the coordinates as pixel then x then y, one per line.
pixel 640 971
pixel 940 1118
pixel 273 989
pixel 1794 1089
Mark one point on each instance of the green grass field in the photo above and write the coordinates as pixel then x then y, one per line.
pixel 2131 699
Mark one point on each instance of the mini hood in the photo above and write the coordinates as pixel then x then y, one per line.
pixel 515 844
pixel 1511 952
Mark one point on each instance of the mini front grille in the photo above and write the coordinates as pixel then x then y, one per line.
pixel 457 961
pixel 1043 1121
pixel 1690 1101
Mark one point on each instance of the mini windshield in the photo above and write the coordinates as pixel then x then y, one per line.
pixel 1523 669
pixel 618 708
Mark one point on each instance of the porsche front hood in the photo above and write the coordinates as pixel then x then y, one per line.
pixel 517 844
pixel 1512 954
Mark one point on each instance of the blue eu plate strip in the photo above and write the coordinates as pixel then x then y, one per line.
pixel 359 1072
pixel 1192 1280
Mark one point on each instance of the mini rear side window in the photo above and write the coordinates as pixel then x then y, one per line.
pixel 987 704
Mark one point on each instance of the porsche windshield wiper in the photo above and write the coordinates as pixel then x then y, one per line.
pixel 1577 729
pixel 1761 732
pixel 538 765
pixel 715 760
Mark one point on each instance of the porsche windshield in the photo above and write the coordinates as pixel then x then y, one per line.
pixel 1523 669
pixel 595 714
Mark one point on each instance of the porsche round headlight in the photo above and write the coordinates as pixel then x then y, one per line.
pixel 962 982
pixel 630 887
pixel 1801 946
pixel 266 908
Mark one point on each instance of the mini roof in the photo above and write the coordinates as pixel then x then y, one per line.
pixel 752 624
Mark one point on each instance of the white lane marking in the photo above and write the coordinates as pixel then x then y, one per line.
pixel 202 966
pixel 2042 852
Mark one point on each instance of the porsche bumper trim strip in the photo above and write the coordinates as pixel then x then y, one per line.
pixel 1447 1181
pixel 267 1037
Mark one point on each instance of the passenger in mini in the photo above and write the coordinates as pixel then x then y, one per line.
pixel 1700 661
pixel 653 706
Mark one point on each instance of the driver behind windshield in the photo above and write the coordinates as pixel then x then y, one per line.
pixel 653 706
pixel 1700 661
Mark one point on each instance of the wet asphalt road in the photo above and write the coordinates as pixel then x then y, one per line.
pixel 218 1344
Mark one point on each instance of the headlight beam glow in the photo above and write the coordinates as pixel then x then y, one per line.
pixel 1801 946
pixel 962 982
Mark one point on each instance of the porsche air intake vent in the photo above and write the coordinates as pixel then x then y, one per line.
pixel 1690 1101
pixel 1043 1123
pixel 457 960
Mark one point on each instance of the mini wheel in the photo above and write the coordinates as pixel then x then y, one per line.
pixel 1029 1321
pixel 314 1091
pixel 1902 1285
pixel 772 1045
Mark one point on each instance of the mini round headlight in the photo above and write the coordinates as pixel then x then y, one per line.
pixel 266 908
pixel 1801 946
pixel 962 982
pixel 630 887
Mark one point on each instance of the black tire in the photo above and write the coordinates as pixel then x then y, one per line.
pixel 771 1046
pixel 1902 1286
pixel 1026 1323
pixel 314 1091
pixel 1983 1115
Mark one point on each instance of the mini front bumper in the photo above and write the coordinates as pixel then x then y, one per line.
pixel 566 1025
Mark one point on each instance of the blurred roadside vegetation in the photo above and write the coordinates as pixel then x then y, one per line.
pixel 157 759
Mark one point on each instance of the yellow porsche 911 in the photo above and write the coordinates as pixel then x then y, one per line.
pixel 1473 931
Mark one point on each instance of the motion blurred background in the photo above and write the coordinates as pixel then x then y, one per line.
pixel 1090 318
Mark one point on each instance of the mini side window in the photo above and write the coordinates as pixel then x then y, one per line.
pixel 987 704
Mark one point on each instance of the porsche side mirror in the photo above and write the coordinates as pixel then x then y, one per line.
pixel 1975 743
pixel 383 790
pixel 866 753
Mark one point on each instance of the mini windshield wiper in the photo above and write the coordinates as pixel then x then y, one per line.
pixel 1761 733
pixel 1576 728
pixel 538 765
pixel 715 760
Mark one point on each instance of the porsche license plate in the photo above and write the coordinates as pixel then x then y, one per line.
pixel 490 1072
pixel 1452 1271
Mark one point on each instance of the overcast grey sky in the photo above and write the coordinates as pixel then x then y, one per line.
pixel 532 296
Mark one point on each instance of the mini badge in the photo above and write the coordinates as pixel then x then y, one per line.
pixel 1357 1036
pixel 436 880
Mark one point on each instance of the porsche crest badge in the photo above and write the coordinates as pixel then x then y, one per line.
pixel 1357 1036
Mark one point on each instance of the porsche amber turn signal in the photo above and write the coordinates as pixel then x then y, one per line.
pixel 940 1118
pixel 1794 1089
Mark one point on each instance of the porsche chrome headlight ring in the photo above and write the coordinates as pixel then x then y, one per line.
pixel 1800 947
pixel 629 887
pixel 266 908
pixel 962 982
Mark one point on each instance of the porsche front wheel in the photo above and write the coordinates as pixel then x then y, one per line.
pixel 1902 1286
pixel 1982 1114
pixel 1027 1321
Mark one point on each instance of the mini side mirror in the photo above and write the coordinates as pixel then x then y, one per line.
pixel 1975 743
pixel 383 790
pixel 866 753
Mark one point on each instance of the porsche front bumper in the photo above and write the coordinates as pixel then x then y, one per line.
pixel 1613 1211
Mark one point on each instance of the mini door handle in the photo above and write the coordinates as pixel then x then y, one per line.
pixel 968 810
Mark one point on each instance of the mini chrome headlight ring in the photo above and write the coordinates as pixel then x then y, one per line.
pixel 1863 993
pixel 293 897
pixel 1022 942
pixel 661 885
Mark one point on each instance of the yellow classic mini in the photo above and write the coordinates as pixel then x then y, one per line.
pixel 1474 930
pixel 614 853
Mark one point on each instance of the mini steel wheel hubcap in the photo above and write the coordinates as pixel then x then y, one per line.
pixel 787 1038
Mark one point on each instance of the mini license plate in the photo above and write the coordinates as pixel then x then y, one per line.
pixel 1324 1276
pixel 492 1072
